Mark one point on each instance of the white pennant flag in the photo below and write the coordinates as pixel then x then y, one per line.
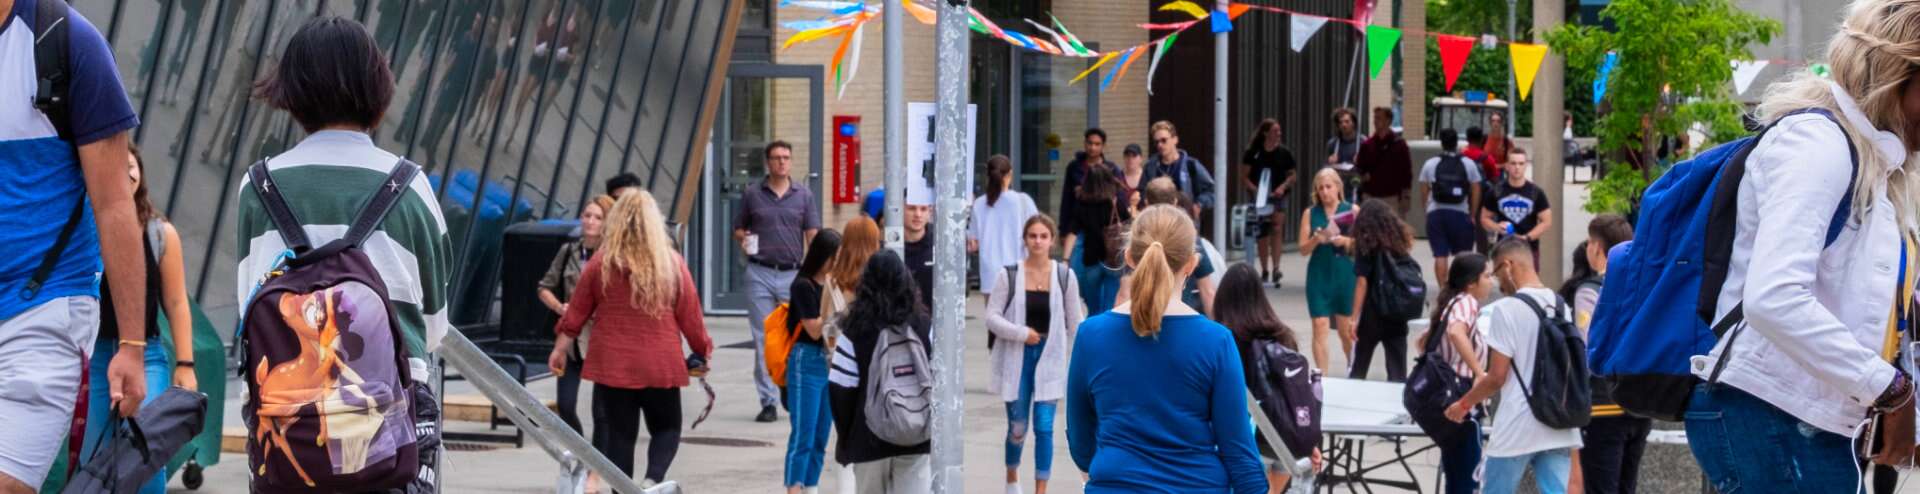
pixel 1744 72
pixel 1489 42
pixel 1303 29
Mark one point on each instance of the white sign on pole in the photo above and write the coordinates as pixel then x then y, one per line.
pixel 920 174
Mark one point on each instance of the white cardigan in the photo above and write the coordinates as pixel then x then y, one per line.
pixel 1066 310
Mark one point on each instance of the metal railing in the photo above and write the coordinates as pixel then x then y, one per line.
pixel 1301 469
pixel 576 456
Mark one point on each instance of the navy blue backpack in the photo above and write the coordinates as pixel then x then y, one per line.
pixel 1656 312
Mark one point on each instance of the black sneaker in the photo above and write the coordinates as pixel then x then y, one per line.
pixel 767 415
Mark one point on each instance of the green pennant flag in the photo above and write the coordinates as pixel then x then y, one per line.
pixel 1380 43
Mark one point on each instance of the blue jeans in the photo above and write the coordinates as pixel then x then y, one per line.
pixel 1743 443
pixel 1459 461
pixel 1099 286
pixel 810 414
pixel 159 377
pixel 1550 467
pixel 1041 412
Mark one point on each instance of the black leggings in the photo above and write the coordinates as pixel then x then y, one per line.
pixel 567 395
pixel 1390 334
pixel 621 410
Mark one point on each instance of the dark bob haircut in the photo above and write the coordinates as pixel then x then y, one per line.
pixel 331 73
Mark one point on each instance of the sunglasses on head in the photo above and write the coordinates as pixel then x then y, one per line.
pixel 1162 140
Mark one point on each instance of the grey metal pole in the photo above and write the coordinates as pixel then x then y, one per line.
pixel 949 248
pixel 896 130
pixel 1221 189
pixel 1513 99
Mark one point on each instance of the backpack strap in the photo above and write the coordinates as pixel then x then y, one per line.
pixel 398 182
pixel 1013 276
pixel 51 66
pixel 1542 314
pixel 1722 223
pixel 291 231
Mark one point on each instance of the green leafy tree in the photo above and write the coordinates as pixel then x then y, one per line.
pixel 1674 64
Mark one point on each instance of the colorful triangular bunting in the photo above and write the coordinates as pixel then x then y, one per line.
pixel 1526 65
pixel 1453 56
pixel 1304 28
pixel 1380 43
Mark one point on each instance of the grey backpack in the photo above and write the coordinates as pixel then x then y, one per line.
pixel 899 405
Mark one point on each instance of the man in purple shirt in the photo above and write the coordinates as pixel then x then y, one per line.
pixel 774 223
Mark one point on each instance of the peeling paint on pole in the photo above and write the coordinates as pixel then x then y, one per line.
pixel 896 114
pixel 949 249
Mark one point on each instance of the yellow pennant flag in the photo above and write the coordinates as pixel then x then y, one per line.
pixel 920 12
pixel 1526 64
pixel 1096 66
pixel 1190 8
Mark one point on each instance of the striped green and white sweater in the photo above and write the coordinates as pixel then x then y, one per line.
pixel 325 180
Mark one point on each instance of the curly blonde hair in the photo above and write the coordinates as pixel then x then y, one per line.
pixel 1873 56
pixel 637 245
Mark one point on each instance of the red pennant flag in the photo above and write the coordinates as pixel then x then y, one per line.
pixel 1363 12
pixel 1453 56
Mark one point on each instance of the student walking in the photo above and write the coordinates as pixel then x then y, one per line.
pixel 841 283
pixel 557 287
pixel 1344 146
pixel 1463 347
pixel 1384 163
pixel 776 219
pixel 1097 209
pixel 1191 176
pixel 1380 240
pixel 1267 157
pixel 1093 154
pixel 1190 432
pixel 165 294
pixel 1245 310
pixel 334 81
pixel 1803 386
pixel 808 411
pixel 1609 463
pixel 885 304
pixel 1520 440
pixel 1450 183
pixel 49 303
pixel 1516 207
pixel 1330 275
pixel 642 300
pixel 1034 315
pixel 1199 290
pixel 998 216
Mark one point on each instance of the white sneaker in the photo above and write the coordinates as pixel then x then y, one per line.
pixel 1014 488
pixel 811 490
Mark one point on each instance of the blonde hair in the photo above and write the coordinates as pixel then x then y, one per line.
pixel 1161 242
pixel 1873 55
pixel 858 241
pixel 604 201
pixel 1339 188
pixel 636 243
pixel 1163 125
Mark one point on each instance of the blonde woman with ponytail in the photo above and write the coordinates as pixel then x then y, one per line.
pixel 1792 398
pixel 1190 433
pixel 637 292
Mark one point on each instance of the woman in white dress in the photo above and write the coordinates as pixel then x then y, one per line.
pixel 997 218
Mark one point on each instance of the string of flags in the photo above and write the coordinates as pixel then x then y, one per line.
pixel 846 20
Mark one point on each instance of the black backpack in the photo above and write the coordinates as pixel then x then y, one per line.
pixel 1399 293
pixel 1432 386
pixel 1288 388
pixel 1561 395
pixel 1450 183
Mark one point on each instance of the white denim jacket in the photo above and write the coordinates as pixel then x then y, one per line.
pixel 1815 318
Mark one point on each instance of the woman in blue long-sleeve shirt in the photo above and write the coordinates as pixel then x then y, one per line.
pixel 1156 400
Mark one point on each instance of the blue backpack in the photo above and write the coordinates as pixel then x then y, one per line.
pixel 1657 312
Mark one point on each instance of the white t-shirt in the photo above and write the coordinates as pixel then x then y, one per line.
pixel 1427 177
pixel 997 229
pixel 1515 332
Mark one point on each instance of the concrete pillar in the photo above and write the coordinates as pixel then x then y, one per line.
pixel 1549 104
pixel 1413 56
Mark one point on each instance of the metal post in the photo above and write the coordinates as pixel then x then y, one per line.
pixel 1513 100
pixel 1221 189
pixel 896 129
pixel 949 248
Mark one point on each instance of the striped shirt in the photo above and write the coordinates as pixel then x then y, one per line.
pixel 325 180
pixel 1464 309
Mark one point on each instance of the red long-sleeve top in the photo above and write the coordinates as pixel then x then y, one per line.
pixel 632 348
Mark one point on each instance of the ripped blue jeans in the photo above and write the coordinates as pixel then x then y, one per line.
pixel 1041 412
pixel 1744 444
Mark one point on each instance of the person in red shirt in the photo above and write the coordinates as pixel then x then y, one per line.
pixel 1476 140
pixel 1497 147
pixel 642 301
pixel 1385 163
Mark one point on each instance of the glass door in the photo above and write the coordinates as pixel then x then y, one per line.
pixel 761 103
